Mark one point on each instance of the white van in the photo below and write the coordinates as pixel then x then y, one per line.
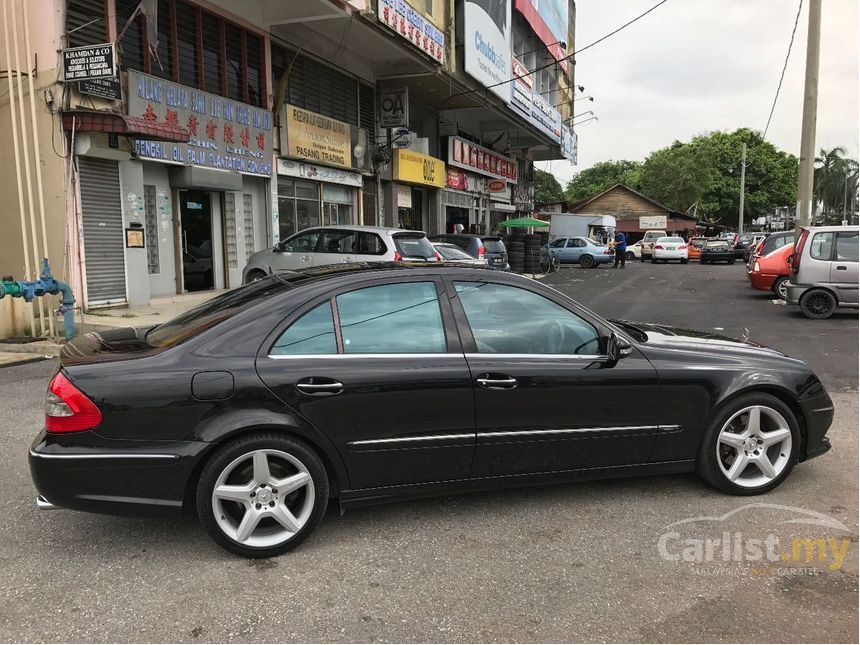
pixel 648 243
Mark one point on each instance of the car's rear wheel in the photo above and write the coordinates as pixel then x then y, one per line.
pixel 731 261
pixel 262 495
pixel 586 261
pixel 780 287
pixel 630 255
pixel 684 260
pixel 750 446
pixel 818 304
pixel 653 260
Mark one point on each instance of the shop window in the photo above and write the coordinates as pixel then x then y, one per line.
pixel 131 46
pixel 248 212
pixel 230 230
pixel 254 67
pixel 211 54
pixel 151 229
pixel 233 62
pixel 337 205
pixel 162 64
pixel 298 206
pixel 85 22
pixel 186 31
pixel 392 319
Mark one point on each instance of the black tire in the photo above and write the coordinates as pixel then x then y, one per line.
pixel 254 275
pixel 818 304
pixel 586 261
pixel 703 261
pixel 630 255
pixel 707 466
pixel 731 261
pixel 684 261
pixel 226 455
pixel 779 287
pixel 653 261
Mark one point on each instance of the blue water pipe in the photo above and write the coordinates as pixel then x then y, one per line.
pixel 45 284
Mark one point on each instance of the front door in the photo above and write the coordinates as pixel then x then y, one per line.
pixel 195 209
pixel 379 370
pixel 546 397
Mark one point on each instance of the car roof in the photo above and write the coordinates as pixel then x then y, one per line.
pixel 467 236
pixel 815 229
pixel 357 227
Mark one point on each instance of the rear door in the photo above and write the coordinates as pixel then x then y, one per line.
pixel 377 367
pixel 336 246
pixel 843 270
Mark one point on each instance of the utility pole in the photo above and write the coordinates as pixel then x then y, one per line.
pixel 810 109
pixel 743 186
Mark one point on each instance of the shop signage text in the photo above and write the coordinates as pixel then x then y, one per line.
pixel 394 108
pixel 291 168
pixel 467 155
pixel 106 88
pixel 652 222
pixel 407 21
pixel 417 168
pixel 84 63
pixel 569 144
pixel 317 138
pixel 487 44
pixel 225 134
pixel 534 107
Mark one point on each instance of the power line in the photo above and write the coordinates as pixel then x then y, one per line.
pixel 568 57
pixel 784 66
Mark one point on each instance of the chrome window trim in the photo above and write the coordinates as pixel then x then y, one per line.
pixel 584 357
pixel 101 455
pixel 279 357
pixel 429 437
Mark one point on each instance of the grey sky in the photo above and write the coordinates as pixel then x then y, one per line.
pixel 693 66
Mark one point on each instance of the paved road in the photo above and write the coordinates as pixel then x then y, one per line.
pixel 567 563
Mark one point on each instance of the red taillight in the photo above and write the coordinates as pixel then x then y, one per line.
pixel 658 247
pixel 439 257
pixel 67 409
pixel 397 256
pixel 480 251
pixel 798 249
pixel 758 248
pixel 608 252
pixel 682 247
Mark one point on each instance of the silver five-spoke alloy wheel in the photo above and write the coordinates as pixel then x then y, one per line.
pixel 754 446
pixel 263 498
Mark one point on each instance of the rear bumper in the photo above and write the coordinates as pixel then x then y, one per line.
pixel 763 281
pixel 122 480
pixel 716 257
pixel 669 255
pixel 794 292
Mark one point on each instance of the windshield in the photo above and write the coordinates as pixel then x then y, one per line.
pixel 414 246
pixel 493 245
pixel 697 243
pixel 451 252
pixel 212 312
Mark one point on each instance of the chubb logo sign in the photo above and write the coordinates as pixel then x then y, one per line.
pixel 487 51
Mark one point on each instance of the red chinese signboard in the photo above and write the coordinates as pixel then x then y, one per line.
pixel 470 156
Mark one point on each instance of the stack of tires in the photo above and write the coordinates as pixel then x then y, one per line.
pixel 531 262
pixel 516 251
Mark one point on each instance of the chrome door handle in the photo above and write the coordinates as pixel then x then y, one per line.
pixel 304 258
pixel 497 383
pixel 308 387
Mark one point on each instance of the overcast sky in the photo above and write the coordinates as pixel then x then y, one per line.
pixel 694 66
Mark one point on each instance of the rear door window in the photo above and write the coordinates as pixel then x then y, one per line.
pixel 414 247
pixel 370 244
pixel 846 246
pixel 313 333
pixel 401 318
pixel 334 241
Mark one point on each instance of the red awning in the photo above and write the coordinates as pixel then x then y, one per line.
pixel 132 126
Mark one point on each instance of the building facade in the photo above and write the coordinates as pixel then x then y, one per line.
pixel 157 144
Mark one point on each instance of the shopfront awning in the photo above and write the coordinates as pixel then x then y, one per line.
pixel 114 123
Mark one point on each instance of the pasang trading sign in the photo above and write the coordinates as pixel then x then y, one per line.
pixel 469 156
pixel 224 134
pixel 414 27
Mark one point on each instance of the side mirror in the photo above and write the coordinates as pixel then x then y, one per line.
pixel 277 249
pixel 617 347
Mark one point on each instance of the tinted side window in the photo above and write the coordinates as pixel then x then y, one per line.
pixel 510 320
pixel 370 244
pixel 822 246
pixel 557 244
pixel 392 319
pixel 846 246
pixel 313 333
pixel 338 242
pixel 302 242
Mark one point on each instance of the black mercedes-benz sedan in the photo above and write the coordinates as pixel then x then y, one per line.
pixel 369 383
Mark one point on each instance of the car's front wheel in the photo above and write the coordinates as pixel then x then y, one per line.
pixel 262 494
pixel 750 446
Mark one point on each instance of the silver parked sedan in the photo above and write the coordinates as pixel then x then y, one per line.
pixel 339 244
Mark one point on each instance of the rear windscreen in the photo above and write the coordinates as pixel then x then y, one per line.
pixel 493 245
pixel 414 246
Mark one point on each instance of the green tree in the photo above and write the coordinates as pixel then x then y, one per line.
pixel 834 184
pixel 601 176
pixel 677 176
pixel 547 188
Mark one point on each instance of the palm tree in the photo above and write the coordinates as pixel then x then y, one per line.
pixel 834 180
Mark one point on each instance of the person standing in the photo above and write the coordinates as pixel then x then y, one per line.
pixel 620 249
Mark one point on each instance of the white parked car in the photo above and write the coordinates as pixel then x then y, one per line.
pixel 634 251
pixel 670 248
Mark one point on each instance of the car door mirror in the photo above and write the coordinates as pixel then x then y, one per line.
pixel 617 347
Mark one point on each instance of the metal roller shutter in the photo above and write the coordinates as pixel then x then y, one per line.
pixel 104 247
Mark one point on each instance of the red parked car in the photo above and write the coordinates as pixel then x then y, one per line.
pixel 771 271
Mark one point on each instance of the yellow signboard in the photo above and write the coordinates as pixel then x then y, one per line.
pixel 316 137
pixel 416 168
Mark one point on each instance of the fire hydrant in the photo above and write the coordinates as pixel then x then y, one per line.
pixel 46 284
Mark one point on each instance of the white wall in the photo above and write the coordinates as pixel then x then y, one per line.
pixel 162 283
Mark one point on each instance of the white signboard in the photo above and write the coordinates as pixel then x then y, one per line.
pixel 394 108
pixel 650 222
pixel 487 40
pixel 293 168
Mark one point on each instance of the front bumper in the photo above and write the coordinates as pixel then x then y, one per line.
pixel 125 478
pixel 818 416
